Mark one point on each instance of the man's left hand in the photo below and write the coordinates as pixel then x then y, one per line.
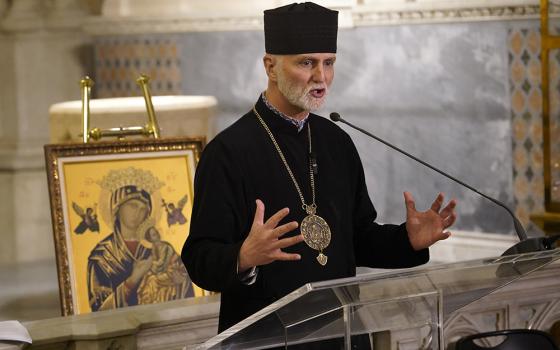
pixel 426 228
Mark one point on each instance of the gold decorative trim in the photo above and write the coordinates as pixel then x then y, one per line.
pixel 54 152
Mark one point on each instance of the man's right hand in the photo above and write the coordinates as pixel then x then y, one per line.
pixel 264 244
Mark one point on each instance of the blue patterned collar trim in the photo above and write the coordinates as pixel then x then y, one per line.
pixel 299 124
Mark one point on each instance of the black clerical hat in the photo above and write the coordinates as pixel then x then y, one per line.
pixel 300 28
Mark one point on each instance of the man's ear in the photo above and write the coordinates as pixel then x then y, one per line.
pixel 269 62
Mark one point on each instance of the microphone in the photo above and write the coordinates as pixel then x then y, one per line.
pixel 525 245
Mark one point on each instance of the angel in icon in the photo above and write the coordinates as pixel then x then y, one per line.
pixel 89 219
pixel 174 213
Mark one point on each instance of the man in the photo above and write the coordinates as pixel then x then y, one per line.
pixel 280 170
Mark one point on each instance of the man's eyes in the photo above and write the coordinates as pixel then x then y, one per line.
pixel 310 63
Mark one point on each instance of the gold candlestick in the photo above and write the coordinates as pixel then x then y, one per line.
pixel 152 126
pixel 86 83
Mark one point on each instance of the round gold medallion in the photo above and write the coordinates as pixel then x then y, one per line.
pixel 316 234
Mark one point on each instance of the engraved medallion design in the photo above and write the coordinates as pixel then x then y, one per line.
pixel 317 235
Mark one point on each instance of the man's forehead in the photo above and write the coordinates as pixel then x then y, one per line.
pixel 315 55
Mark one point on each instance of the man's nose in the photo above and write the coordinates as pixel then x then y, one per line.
pixel 318 74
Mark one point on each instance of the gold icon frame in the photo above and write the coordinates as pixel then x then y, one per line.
pixel 74 172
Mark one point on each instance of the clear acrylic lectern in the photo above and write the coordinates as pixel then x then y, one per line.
pixel 418 298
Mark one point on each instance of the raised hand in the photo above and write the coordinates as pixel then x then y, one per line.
pixel 426 228
pixel 264 244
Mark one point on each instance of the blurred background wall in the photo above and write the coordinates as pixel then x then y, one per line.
pixel 455 82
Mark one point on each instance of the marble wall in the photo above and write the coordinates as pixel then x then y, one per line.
pixel 439 91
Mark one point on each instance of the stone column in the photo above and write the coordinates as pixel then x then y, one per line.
pixel 25 15
pixel 3 8
pixel 66 13
pixel 44 54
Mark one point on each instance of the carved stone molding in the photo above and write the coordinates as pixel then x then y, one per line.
pixel 532 302
pixel 162 8
pixel 544 315
pixel 468 245
pixel 14 157
pixel 369 17
pixel 363 14
pixel 139 25
pixel 65 14
pixel 33 15
pixel 24 15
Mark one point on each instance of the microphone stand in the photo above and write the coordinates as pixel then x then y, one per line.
pixel 525 244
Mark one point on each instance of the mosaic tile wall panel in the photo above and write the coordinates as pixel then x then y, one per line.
pixel 120 60
pixel 526 115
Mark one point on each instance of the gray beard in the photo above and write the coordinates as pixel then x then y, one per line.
pixel 299 96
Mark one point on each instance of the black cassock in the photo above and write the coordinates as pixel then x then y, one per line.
pixel 241 165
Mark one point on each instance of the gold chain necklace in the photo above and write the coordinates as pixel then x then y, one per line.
pixel 315 230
